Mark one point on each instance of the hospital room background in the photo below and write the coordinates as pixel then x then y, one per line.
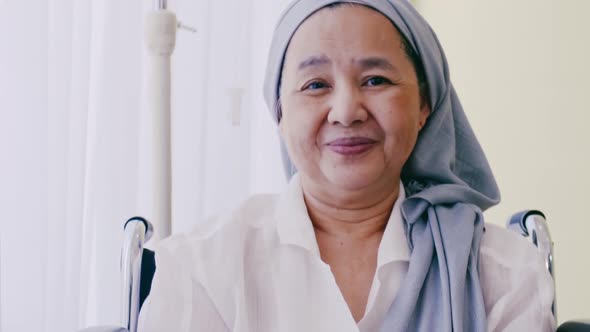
pixel 72 92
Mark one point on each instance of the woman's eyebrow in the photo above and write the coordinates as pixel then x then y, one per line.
pixel 364 63
pixel 313 61
pixel 376 62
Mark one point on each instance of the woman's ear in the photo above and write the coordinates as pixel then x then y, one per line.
pixel 280 117
pixel 424 114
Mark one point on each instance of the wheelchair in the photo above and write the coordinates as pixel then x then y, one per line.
pixel 138 267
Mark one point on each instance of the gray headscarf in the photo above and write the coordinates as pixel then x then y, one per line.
pixel 448 179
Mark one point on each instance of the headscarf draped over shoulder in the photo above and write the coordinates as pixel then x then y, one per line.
pixel 447 177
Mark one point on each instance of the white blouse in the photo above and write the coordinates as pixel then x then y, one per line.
pixel 259 269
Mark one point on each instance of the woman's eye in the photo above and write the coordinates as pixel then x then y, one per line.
pixel 314 86
pixel 377 80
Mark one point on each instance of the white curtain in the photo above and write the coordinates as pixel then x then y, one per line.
pixel 71 103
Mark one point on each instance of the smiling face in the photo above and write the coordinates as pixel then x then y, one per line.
pixel 351 106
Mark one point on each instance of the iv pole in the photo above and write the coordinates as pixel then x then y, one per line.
pixel 160 37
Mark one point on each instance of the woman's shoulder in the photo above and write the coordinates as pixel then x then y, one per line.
pixel 255 212
pixel 506 247
pixel 505 252
pixel 222 241
pixel 517 288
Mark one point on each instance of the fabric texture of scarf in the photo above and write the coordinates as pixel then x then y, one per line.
pixel 447 178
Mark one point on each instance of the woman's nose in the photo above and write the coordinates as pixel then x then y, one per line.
pixel 347 107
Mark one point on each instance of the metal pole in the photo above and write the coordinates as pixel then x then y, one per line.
pixel 155 187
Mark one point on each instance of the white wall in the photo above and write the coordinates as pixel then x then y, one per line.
pixel 521 71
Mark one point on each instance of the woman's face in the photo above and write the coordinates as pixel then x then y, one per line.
pixel 351 108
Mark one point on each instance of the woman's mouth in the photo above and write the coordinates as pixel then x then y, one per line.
pixel 350 146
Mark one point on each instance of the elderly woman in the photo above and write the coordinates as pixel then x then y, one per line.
pixel 381 225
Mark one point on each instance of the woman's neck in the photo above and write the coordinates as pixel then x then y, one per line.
pixel 363 219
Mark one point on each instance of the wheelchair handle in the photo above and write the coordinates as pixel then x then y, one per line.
pixel 137 231
pixel 533 226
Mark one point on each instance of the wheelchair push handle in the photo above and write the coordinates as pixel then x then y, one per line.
pixel 137 231
pixel 532 225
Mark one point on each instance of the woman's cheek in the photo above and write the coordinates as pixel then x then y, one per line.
pixel 310 143
pixel 301 144
pixel 401 141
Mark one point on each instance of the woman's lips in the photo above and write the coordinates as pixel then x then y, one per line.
pixel 350 146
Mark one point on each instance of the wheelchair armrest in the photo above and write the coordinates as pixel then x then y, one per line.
pixel 105 329
pixel 575 326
